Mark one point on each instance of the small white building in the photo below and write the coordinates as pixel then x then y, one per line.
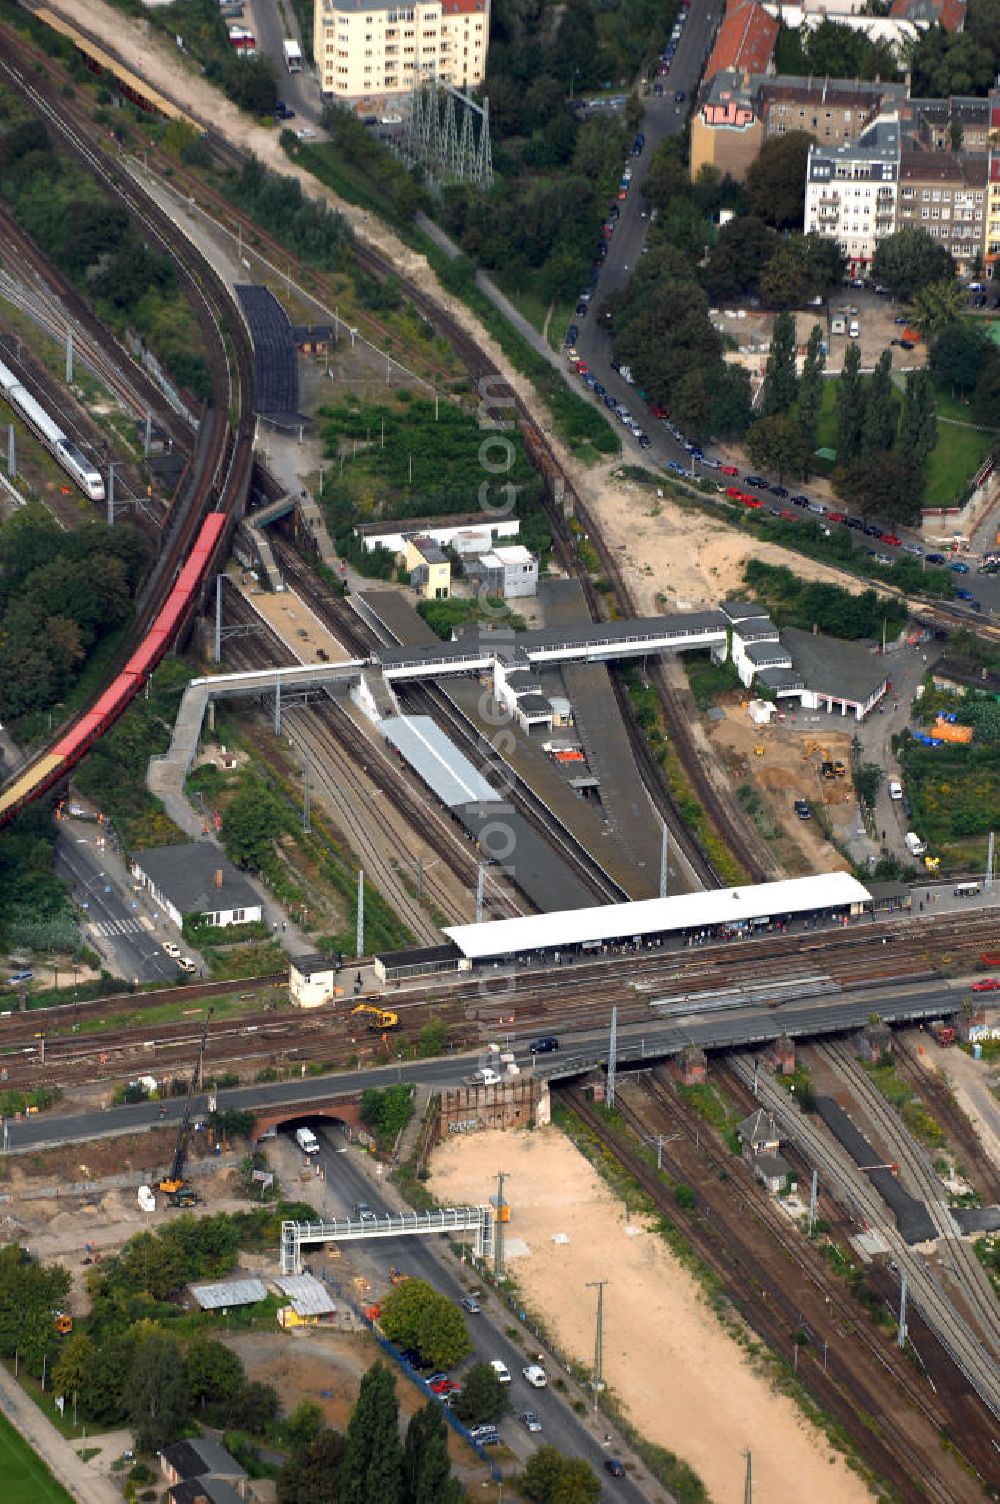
pixel 508 572
pixel 312 981
pixel 519 691
pixel 197 879
pixel 485 526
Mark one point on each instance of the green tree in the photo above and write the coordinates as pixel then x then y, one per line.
pixel 729 412
pixel 910 260
pixel 387 1110
pixel 372 1469
pixel 69 1373
pixel 105 1386
pixel 253 1409
pixel 886 484
pixel 213 1371
pixel 483 1397
pixel 742 250
pixel 253 822
pixel 881 409
pixel 785 281
pixel 850 406
pixel 780 383
pixel 810 403
pixel 304 1424
pixel 551 1478
pixel 426 1466
pixel 414 1314
pixel 157 1396
pixel 868 781
pixel 776 180
pixel 936 306
pixel 957 357
pixel 312 1473
pixel 778 444
pixel 918 423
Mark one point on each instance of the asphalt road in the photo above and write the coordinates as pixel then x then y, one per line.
pixel 300 91
pixel 664 118
pixel 112 922
pixel 418 1256
pixel 736 1026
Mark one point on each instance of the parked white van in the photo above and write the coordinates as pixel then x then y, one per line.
pixel 307 1140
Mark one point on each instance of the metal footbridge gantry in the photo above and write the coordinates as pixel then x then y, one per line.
pixel 448 1219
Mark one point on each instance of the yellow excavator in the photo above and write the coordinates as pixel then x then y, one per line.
pixel 174 1185
pixel 378 1019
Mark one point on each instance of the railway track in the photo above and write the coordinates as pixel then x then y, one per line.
pixel 984 1173
pixel 347 625
pixel 839 1172
pixel 356 796
pixel 923 1181
pixel 772 1276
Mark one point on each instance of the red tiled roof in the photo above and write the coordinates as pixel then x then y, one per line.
pixel 462 7
pixel 950 13
pixel 745 41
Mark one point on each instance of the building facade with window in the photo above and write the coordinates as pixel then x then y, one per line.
pixel 852 191
pixel 376 50
pixel 945 194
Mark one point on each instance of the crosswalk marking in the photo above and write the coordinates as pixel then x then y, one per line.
pixel 110 927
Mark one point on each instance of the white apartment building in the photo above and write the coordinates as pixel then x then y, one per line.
pixel 375 49
pixel 852 191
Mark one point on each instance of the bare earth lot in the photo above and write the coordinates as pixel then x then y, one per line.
pixel 684 1382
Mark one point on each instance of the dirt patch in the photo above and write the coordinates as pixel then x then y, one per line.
pixel 782 763
pixel 700 1395
pixel 328 1367
pixel 676 558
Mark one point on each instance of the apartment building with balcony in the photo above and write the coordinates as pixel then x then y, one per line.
pixel 945 193
pixel 852 191
pixel 374 50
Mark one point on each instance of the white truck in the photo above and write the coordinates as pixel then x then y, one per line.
pixel 914 845
pixel 484 1077
pixel 307 1140
pixel 293 55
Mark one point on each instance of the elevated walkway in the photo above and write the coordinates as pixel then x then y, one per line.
pixel 257 542
pixel 447 1219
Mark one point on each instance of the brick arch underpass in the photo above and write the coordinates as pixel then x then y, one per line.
pixel 338 1109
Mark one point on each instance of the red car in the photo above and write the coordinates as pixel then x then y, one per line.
pixel 441 1384
pixel 730 470
pixel 658 411
pixel 986 984
pixel 581 368
pixel 836 516
pixel 891 539
pixel 789 516
pixel 734 493
pixel 751 501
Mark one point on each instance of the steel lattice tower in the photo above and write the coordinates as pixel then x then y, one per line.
pixel 440 135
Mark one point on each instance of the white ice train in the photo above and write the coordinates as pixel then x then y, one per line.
pixel 76 464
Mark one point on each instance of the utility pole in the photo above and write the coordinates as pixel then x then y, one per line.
pixel 11 452
pixel 747 1481
pixel 480 881
pixel 664 849
pixel 612 1058
pixel 147 438
pixel 814 1192
pixel 598 1381
pixel 111 493
pixel 306 823
pixel 277 706
pixel 217 644
pixel 901 1333
pixel 498 1273
pixel 361 913
pixel 988 884
pixel 69 356
pixel 420 878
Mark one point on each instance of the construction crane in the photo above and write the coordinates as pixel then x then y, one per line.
pixel 174 1184
pixel 378 1018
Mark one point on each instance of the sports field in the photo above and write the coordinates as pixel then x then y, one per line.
pixel 24 1478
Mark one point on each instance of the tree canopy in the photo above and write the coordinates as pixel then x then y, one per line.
pixel 776 181
pixel 415 1315
pixel 910 260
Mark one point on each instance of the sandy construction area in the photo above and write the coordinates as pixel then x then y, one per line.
pixel 685 1383
pixel 675 559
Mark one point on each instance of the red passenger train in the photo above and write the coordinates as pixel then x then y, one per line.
pixel 78 739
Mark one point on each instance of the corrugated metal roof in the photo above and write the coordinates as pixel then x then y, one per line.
pixel 654 916
pixel 229 1292
pixel 308 1295
pixel 440 764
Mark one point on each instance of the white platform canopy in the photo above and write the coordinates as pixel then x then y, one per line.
pixel 658 916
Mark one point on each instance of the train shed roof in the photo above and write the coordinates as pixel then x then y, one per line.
pixel 657 916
